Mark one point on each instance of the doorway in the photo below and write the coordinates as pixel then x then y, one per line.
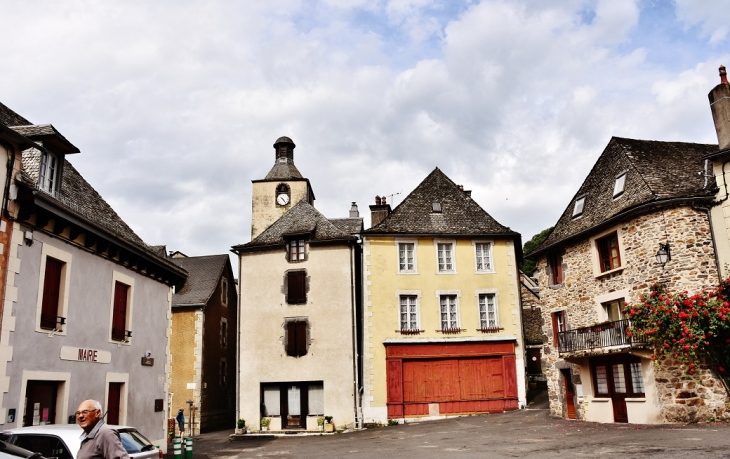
pixel 569 393
pixel 40 403
pixel 618 378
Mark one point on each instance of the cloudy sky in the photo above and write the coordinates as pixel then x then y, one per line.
pixel 175 104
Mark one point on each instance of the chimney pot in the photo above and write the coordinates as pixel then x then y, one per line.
pixel 383 201
pixel 723 75
pixel 377 200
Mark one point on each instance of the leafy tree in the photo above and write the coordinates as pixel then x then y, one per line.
pixel 528 266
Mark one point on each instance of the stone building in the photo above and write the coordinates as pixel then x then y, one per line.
pixel 203 343
pixel 299 306
pixel 532 324
pixel 639 197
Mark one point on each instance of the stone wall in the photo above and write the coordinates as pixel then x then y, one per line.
pixel 692 267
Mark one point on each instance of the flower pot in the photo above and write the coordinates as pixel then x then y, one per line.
pixel 239 431
pixel 329 427
pixel 264 429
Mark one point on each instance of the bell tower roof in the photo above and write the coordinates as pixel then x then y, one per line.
pixel 284 168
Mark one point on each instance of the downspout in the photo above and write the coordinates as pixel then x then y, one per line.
pixel 522 326
pixel 8 177
pixel 355 357
pixel 238 341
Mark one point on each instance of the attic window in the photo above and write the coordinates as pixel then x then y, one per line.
pixel 436 206
pixel 578 208
pixel 618 187
pixel 49 173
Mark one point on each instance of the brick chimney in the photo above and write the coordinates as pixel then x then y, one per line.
pixel 720 106
pixel 379 211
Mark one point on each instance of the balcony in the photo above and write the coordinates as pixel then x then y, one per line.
pixel 609 334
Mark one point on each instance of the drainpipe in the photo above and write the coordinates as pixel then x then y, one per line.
pixel 355 357
pixel 239 318
pixel 8 177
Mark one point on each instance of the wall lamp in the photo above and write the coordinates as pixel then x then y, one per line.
pixel 663 255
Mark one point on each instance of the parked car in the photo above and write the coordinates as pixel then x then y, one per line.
pixel 62 441
pixel 8 451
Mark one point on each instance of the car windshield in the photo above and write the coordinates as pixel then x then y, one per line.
pixel 134 442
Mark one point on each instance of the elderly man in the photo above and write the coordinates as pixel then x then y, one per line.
pixel 98 440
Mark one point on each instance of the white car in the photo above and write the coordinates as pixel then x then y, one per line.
pixel 8 451
pixel 62 441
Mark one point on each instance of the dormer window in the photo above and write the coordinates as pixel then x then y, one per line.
pixel 618 187
pixel 296 250
pixel 578 208
pixel 49 172
pixel 436 207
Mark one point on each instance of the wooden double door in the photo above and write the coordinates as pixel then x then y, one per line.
pixel 40 403
pixel 618 377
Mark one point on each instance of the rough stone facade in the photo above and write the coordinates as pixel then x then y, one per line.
pixel 692 267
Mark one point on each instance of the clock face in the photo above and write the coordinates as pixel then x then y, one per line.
pixel 282 199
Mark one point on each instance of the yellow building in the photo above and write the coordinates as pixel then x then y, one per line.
pixel 442 318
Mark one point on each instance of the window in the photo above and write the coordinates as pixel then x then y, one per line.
pixel 316 399
pixel 488 316
pixel 578 208
pixel 483 253
pixel 555 265
pixel 620 374
pixel 224 333
pixel 613 310
pixel 449 312
pixel 436 207
pixel 296 250
pixel 119 318
pixel 409 313
pixel 121 307
pixel 406 257
pixel 618 187
pixel 50 318
pixel 559 325
pixel 445 256
pixel 297 338
pixel 296 287
pixel 49 173
pixel 224 291
pixel 223 372
pixel 271 401
pixel 609 257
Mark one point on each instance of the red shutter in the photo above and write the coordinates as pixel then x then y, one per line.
pixel 113 402
pixel 119 319
pixel 51 293
pixel 296 282
pixel 394 375
pixel 510 376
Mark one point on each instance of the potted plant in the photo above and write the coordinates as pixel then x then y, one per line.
pixel 320 423
pixel 240 426
pixel 265 423
pixel 328 424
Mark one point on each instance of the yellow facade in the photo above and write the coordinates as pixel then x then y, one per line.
pixel 185 360
pixel 383 285
pixel 265 210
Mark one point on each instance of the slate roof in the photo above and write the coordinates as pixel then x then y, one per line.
pixel 204 274
pixel 656 173
pixel 9 118
pixel 460 214
pixel 284 171
pixel 77 195
pixel 300 219
pixel 352 226
pixel 47 131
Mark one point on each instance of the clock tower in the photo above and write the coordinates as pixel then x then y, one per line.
pixel 281 189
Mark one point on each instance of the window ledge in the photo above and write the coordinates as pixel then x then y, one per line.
pixel 612 271
pixel 408 272
pixel 556 286
pixel 600 400
pixel 485 271
pixel 635 400
pixel 446 272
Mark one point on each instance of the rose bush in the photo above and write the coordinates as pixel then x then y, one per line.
pixel 692 329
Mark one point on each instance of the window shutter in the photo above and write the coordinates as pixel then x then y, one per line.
pixel 296 281
pixel 555 329
pixel 301 337
pixel 119 320
pixel 51 293
pixel 291 333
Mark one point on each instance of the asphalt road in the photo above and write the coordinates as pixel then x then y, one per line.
pixel 525 433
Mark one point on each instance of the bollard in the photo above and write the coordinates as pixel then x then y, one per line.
pixel 177 448
pixel 188 447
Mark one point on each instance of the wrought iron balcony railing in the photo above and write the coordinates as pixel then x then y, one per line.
pixel 51 322
pixel 607 334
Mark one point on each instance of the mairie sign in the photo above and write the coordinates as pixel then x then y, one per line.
pixel 81 354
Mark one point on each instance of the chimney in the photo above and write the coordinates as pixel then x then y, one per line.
pixel 720 106
pixel 379 211
pixel 354 213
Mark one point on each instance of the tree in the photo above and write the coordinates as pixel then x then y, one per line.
pixel 528 265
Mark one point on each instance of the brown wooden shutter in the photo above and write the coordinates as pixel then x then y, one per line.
pixel 51 293
pixel 297 292
pixel 291 333
pixel 555 329
pixel 301 338
pixel 119 319
pixel 113 402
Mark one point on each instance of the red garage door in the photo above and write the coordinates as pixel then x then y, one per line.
pixel 463 384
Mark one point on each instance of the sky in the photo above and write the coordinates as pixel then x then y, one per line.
pixel 175 104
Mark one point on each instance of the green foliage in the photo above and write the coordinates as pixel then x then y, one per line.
pixel 241 423
pixel 393 422
pixel 528 266
pixel 688 328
